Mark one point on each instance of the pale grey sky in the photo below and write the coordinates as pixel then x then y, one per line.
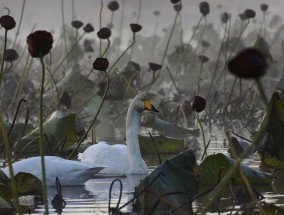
pixel 46 14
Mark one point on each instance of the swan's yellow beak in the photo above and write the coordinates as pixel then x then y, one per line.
pixel 149 106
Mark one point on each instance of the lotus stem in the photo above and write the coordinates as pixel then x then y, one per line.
pixel 63 26
pixel 121 27
pixel 173 81
pixel 261 91
pixel 156 148
pixel 168 42
pixel 4 50
pixel 81 83
pixel 20 23
pixel 188 45
pixel 41 147
pixel 101 10
pixel 23 77
pixel 15 117
pixel 10 166
pixel 68 53
pixel 164 56
pixel 205 150
pixel 105 51
pixel 218 58
pixel 123 53
pixel 94 120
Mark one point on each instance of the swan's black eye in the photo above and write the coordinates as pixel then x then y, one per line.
pixel 143 100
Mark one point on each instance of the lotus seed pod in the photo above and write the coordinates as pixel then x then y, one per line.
pixel 249 63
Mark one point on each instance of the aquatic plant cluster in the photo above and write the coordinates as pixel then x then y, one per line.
pixel 53 93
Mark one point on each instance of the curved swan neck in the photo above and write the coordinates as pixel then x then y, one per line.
pixel 132 130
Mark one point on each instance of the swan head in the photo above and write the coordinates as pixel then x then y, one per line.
pixel 142 102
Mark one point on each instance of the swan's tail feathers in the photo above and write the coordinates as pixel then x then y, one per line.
pixel 95 170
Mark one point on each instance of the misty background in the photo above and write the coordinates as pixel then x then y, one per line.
pixel 47 15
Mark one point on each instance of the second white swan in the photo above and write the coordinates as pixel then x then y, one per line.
pixel 121 159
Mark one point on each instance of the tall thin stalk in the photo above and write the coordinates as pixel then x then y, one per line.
pixel 105 51
pixel 121 27
pixel 63 26
pixel 95 118
pixel 218 59
pixel 165 54
pixel 101 10
pixel 27 67
pixel 41 147
pixel 9 159
pixel 68 53
pixel 137 21
pixel 123 53
pixel 20 23
pixel 4 51
pixel 189 42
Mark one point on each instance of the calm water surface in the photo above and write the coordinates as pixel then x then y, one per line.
pixel 93 198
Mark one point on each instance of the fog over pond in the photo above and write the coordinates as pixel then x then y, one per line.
pixel 47 15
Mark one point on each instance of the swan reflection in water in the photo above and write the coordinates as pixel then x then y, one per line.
pixel 100 187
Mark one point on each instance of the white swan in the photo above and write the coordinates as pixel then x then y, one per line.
pixel 69 173
pixel 122 159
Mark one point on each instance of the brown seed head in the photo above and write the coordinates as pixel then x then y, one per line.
pixel 101 64
pixel 203 58
pixel 76 24
pixel 135 27
pixel 7 22
pixel 204 8
pixel 225 17
pixel 88 28
pixel 263 7
pixel 198 103
pixel 11 55
pixel 39 43
pixel 249 13
pixel 177 7
pixel 113 5
pixel 175 1
pixel 249 63
pixel 104 33
pixel 154 67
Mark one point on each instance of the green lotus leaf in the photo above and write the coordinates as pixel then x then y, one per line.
pixel 212 165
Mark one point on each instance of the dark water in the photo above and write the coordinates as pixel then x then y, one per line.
pixel 93 198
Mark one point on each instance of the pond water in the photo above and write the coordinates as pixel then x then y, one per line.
pixel 93 198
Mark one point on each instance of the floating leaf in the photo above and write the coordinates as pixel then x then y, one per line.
pixel 28 184
pixel 56 128
pixel 175 176
pixel 164 144
pixel 270 137
pixel 167 128
pixel 212 164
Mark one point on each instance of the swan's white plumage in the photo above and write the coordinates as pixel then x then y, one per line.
pixel 102 153
pixel 121 159
pixel 69 172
